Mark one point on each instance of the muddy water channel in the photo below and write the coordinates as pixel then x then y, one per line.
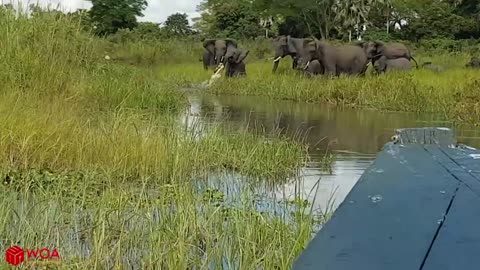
pixel 354 136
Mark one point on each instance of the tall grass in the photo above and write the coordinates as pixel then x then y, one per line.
pixel 94 163
pixel 421 91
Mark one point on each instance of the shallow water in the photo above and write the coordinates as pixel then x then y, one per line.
pixel 354 135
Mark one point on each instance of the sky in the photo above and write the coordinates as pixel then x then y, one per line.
pixel 157 10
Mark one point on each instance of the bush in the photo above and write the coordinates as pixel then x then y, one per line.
pixel 440 45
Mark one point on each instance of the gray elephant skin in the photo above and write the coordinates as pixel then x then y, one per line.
pixel 208 60
pixel 235 65
pixel 314 68
pixel 287 46
pixel 346 59
pixel 383 64
pixel 216 50
pixel 376 49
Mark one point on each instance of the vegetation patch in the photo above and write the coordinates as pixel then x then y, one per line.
pixel 95 163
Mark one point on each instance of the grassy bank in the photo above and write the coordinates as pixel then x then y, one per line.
pixel 452 93
pixel 94 162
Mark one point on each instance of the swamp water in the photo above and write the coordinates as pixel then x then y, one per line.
pixel 354 136
pixel 129 233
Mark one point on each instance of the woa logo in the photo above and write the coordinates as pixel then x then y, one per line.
pixel 16 255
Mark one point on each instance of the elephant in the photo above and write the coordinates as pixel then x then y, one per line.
pixel 287 46
pixel 314 68
pixel 208 60
pixel 234 62
pixel 474 63
pixel 346 59
pixel 216 49
pixel 383 64
pixel 377 49
pixel 432 67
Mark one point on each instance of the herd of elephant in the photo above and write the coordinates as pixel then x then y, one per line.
pixel 318 57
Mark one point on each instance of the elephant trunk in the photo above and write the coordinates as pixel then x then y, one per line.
pixel 219 58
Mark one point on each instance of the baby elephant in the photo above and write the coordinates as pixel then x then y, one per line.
pixel 384 64
pixel 235 66
pixel 314 67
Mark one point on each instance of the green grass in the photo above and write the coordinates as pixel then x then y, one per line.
pixel 421 91
pixel 95 163
pixel 134 225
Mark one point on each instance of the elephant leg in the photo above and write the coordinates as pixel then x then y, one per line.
pixel 331 71
pixel 329 68
pixel 295 63
pixel 228 69
pixel 205 62
pixel 242 69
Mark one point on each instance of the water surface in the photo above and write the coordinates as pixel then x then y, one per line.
pixel 354 135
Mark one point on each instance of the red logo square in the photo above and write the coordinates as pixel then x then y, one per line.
pixel 15 255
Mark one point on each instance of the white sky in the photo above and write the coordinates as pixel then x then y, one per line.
pixel 157 10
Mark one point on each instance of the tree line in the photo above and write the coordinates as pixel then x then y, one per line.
pixel 411 20
pixel 341 19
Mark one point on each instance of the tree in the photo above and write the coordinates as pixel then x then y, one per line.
pixel 229 18
pixel 177 25
pixel 294 26
pixel 108 16
pixel 317 15
pixel 435 19
pixel 148 30
pixel 380 16
pixel 351 15
pixel 469 9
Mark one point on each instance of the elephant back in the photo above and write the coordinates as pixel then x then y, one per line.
pixel 396 50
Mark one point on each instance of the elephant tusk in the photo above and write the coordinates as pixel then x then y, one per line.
pixel 306 66
pixel 277 59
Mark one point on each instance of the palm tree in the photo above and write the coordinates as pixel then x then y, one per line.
pixel 350 15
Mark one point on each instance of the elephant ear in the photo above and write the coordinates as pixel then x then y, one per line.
pixel 208 42
pixel 380 46
pixel 310 44
pixel 241 55
pixel 290 45
pixel 231 42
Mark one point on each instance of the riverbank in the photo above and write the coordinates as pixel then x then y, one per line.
pixel 452 93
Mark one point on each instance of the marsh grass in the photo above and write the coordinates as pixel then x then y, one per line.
pixel 420 91
pixel 94 162
pixel 171 228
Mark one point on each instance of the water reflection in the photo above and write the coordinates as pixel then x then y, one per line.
pixel 356 135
